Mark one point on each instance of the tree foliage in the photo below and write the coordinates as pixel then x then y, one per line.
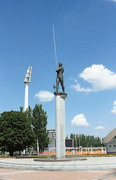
pixel 85 141
pixel 15 131
pixel 39 123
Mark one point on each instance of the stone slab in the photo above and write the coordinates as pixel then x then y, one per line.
pixel 60 160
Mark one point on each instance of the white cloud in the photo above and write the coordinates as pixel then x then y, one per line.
pixel 114 108
pixel 78 88
pixel 112 0
pixel 44 96
pixel 99 128
pixel 73 79
pixel 79 120
pixel 99 77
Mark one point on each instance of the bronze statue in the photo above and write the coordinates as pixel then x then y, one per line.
pixel 59 77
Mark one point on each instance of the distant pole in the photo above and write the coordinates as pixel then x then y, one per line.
pixel 27 81
pixel 26 96
pixel 54 39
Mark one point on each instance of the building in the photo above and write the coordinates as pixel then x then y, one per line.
pixel 52 140
pixel 110 142
pixel 69 143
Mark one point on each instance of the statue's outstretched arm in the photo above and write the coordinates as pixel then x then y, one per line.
pixel 58 69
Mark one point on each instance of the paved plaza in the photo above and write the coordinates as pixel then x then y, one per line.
pixel 11 174
pixel 94 168
pixel 82 164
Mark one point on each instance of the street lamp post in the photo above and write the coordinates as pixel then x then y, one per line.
pixel 27 81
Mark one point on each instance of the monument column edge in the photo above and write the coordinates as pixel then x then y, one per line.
pixel 60 124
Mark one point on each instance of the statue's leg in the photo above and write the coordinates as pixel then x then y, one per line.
pixel 62 84
pixel 57 84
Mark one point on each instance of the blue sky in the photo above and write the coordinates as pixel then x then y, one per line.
pixel 85 32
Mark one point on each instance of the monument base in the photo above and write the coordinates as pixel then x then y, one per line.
pixel 60 93
pixel 60 124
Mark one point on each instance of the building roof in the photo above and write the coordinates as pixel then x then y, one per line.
pixel 110 136
pixel 51 130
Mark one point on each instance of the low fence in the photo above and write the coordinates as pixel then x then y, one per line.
pixel 69 151
pixel 78 151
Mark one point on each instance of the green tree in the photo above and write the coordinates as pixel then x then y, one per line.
pixel 15 131
pixel 29 113
pixel 72 136
pixel 40 123
pixel 85 141
pixel 77 140
pixel 97 142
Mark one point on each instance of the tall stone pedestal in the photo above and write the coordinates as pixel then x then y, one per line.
pixel 60 124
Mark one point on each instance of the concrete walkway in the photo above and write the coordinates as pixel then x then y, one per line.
pixel 12 174
pixel 92 163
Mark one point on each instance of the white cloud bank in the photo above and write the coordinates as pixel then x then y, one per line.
pixel 99 128
pixel 44 96
pixel 114 108
pixel 79 120
pixel 99 77
pixel 111 0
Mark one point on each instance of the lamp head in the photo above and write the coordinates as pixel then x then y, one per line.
pixel 28 75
